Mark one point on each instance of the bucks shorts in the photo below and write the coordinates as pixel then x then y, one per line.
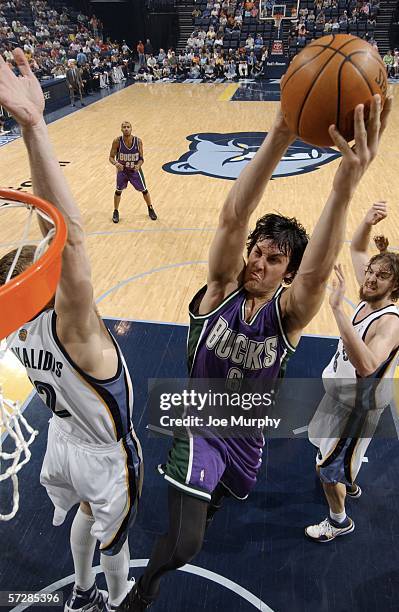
pixel 197 464
pixel 107 476
pixel 130 176
pixel 331 429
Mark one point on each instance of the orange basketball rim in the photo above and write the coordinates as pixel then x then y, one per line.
pixel 29 292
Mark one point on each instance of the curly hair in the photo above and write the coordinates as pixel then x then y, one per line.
pixel 286 233
pixel 392 261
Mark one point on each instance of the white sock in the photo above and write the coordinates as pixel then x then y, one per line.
pixel 82 547
pixel 338 517
pixel 116 571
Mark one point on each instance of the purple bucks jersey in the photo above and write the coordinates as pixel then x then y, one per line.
pixel 126 156
pixel 222 344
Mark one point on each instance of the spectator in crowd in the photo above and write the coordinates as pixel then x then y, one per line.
pixel 148 50
pixel 74 81
pixel 140 53
pixel 388 60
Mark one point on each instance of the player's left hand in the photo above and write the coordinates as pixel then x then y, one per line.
pixel 357 159
pixel 21 95
pixel 338 288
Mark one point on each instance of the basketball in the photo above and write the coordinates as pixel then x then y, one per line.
pixel 326 81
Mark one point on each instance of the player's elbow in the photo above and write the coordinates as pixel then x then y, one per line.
pixel 367 367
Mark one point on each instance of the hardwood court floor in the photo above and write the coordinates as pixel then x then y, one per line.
pixel 150 270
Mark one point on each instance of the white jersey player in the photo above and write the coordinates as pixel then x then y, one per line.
pixel 93 456
pixel 358 379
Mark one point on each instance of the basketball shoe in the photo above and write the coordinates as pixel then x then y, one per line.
pixel 152 214
pixel 328 530
pixel 115 216
pixel 134 601
pixel 91 600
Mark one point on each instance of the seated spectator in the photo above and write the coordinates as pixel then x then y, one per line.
pixel 243 67
pixel 258 41
pixel 335 25
pixel 328 26
pixel 230 70
pixel 388 60
pixel 343 18
pixel 219 66
pixel 251 61
pixel 194 72
pixel 250 42
pixel 196 13
pixel 209 71
pixel 151 63
pixel 58 71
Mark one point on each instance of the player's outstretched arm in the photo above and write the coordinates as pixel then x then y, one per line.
pixel 23 98
pixel 226 252
pixel 368 355
pixel 301 302
pixel 361 238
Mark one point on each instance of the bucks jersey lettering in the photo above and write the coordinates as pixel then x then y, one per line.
pixel 126 156
pixel 222 344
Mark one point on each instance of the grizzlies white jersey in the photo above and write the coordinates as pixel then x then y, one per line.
pixel 95 411
pixel 339 374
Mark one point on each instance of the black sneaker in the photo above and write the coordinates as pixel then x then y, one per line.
pixel 152 214
pixel 134 601
pixel 115 216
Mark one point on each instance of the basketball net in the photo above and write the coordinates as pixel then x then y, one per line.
pixel 14 428
pixel 277 22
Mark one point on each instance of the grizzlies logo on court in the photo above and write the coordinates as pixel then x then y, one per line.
pixel 225 155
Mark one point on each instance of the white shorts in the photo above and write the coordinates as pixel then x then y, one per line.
pixel 331 429
pixel 108 477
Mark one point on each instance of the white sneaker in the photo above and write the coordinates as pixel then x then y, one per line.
pixel 326 531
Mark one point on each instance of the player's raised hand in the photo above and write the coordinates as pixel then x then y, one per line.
pixel 281 126
pixel 338 288
pixel 376 213
pixel 382 243
pixel 357 159
pixel 21 95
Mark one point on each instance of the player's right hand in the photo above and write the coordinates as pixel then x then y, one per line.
pixel 377 213
pixel 119 167
pixel 21 95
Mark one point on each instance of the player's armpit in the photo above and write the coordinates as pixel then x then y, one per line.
pixel 299 305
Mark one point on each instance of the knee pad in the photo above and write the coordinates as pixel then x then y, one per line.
pixel 118 193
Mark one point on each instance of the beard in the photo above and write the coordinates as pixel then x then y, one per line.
pixel 373 297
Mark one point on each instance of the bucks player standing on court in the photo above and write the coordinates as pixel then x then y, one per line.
pixel 127 156
pixel 244 324
pixel 93 456
pixel 358 380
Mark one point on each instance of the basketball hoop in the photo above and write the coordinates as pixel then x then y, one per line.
pixel 21 298
pixel 25 295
